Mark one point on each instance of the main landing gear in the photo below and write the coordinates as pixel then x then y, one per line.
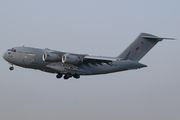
pixel 59 75
pixel 68 75
pixel 76 76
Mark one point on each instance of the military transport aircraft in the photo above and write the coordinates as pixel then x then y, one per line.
pixel 74 65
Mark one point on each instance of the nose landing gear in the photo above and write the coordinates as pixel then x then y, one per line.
pixel 11 68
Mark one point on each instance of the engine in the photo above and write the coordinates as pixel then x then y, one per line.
pixel 72 59
pixel 50 57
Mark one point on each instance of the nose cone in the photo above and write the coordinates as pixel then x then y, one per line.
pixel 5 55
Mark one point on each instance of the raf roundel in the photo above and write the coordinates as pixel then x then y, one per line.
pixel 136 48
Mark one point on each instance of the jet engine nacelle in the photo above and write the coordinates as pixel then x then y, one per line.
pixel 72 59
pixel 50 57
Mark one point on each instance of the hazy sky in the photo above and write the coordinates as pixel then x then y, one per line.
pixel 95 27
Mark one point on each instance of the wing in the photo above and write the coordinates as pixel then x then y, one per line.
pixel 62 53
pixel 87 59
pixel 97 60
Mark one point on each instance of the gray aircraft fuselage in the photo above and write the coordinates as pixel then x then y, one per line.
pixel 33 58
pixel 69 64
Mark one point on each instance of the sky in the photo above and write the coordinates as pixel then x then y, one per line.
pixel 96 27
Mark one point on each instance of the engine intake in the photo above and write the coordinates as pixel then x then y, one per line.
pixel 72 59
pixel 50 57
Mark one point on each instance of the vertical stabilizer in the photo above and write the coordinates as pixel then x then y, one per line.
pixel 140 46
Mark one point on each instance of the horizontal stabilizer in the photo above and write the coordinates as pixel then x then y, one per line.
pixel 154 37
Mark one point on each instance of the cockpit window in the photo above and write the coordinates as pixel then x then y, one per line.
pixel 12 50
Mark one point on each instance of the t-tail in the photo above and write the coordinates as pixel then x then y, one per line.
pixel 140 46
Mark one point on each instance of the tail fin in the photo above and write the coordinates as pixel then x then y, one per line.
pixel 140 46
